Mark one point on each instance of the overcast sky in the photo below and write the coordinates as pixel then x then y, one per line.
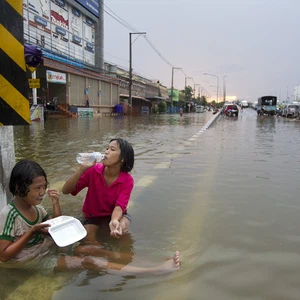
pixel 256 43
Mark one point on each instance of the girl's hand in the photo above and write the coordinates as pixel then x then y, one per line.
pixel 115 228
pixel 88 164
pixel 40 228
pixel 53 195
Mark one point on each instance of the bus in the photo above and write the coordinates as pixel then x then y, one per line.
pixel 267 105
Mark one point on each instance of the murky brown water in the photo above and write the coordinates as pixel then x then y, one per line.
pixel 226 198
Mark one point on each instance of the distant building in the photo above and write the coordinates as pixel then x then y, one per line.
pixel 296 96
pixel 145 93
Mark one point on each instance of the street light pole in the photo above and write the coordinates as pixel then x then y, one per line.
pixel 130 67
pixel 196 84
pixel 224 88
pixel 217 84
pixel 173 68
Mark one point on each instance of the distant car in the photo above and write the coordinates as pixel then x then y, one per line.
pixel 244 103
pixel 230 110
pixel 291 111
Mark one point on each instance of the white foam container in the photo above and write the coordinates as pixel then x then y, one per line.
pixel 65 230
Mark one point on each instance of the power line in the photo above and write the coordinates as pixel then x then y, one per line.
pixel 133 29
pixel 121 21
pixel 158 53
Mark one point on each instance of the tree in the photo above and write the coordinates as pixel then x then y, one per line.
pixel 161 107
pixel 188 92
pixel 203 101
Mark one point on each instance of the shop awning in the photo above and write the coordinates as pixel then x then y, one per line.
pixel 158 98
pixel 134 97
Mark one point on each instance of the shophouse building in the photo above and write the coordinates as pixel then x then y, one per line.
pixel 145 93
pixel 70 34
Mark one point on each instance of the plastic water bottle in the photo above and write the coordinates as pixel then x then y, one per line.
pixel 89 157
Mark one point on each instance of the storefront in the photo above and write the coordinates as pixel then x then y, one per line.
pixel 62 84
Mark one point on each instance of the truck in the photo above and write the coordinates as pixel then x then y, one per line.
pixel 267 105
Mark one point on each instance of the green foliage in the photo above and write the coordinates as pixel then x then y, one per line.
pixel 161 107
pixel 188 91
pixel 203 101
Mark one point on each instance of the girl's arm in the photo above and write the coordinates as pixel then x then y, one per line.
pixel 9 249
pixel 117 213
pixel 70 184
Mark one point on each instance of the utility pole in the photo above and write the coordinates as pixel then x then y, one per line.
pixel 217 84
pixel 224 88
pixel 130 68
pixel 196 84
pixel 173 68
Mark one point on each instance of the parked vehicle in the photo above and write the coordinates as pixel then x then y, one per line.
pixel 254 105
pixel 267 105
pixel 291 111
pixel 244 103
pixel 230 110
pixel 199 109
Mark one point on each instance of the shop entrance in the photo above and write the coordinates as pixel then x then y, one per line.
pixel 56 95
pixel 56 89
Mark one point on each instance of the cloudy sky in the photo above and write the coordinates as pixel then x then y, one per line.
pixel 254 45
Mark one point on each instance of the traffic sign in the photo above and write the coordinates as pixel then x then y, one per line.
pixel 34 83
pixel 14 105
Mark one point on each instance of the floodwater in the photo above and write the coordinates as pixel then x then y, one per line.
pixel 225 197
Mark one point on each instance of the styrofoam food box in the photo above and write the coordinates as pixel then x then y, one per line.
pixel 65 230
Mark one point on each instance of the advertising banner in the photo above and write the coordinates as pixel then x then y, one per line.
pixel 85 112
pixel 91 5
pixel 56 77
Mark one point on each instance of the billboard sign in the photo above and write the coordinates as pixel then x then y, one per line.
pixel 92 6
pixel 56 77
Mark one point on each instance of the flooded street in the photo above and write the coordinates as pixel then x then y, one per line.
pixel 225 197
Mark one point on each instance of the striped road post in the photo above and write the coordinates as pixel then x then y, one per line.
pixel 14 105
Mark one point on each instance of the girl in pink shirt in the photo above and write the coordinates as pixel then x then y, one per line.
pixel 109 188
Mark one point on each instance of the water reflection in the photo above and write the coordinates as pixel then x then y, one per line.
pixel 227 199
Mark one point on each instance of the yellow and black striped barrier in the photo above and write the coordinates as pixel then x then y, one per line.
pixel 14 105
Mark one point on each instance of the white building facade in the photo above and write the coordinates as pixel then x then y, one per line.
pixel 70 34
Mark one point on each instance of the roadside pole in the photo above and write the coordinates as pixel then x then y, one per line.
pixel 13 91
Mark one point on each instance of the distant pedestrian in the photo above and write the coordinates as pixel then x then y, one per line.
pixel 87 102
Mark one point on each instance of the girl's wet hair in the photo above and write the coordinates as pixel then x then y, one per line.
pixel 22 176
pixel 127 155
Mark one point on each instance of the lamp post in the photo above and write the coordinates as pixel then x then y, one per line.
pixel 224 88
pixel 130 67
pixel 173 68
pixel 196 84
pixel 217 84
pixel 186 78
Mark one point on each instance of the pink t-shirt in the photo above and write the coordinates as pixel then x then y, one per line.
pixel 100 199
